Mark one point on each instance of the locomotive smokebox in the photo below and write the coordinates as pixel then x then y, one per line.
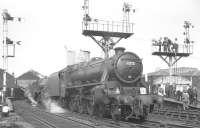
pixel 119 50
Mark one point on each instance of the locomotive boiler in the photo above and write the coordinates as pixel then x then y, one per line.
pixel 125 67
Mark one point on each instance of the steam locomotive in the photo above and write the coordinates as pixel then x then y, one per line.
pixel 103 87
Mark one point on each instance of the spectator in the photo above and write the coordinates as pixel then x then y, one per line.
pixel 153 89
pixel 165 42
pixel 167 90
pixel 170 91
pixel 195 95
pixel 179 95
pixel 175 47
pixel 174 90
pixel 160 90
pixel 169 44
pixel 185 100
pixel 160 44
pixel 190 93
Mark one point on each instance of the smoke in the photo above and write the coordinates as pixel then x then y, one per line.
pixel 30 97
pixel 52 106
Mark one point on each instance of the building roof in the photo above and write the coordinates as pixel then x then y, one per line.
pixel 30 75
pixel 182 71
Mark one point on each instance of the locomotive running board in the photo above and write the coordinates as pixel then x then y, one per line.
pixel 83 85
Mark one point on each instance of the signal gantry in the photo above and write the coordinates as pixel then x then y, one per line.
pixel 107 33
pixel 106 30
pixel 171 52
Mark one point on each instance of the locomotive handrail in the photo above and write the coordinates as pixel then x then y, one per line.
pixel 82 85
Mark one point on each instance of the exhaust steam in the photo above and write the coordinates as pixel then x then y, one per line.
pixel 30 97
pixel 52 106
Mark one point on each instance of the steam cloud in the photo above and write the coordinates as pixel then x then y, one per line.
pixel 52 106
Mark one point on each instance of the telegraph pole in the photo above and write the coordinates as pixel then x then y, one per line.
pixel 7 42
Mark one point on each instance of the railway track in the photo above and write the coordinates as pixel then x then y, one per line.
pixel 188 115
pixel 43 119
pixel 125 124
pixel 83 123
pixel 36 120
pixel 43 122
pixel 83 120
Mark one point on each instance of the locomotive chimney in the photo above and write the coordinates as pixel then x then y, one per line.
pixel 119 50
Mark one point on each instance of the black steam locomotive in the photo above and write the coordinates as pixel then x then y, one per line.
pixel 103 87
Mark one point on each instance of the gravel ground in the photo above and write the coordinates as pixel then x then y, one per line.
pixel 14 121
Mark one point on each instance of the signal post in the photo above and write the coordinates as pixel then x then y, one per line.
pixel 7 43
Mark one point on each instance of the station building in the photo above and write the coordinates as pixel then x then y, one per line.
pixel 28 81
pixel 183 78
pixel 28 78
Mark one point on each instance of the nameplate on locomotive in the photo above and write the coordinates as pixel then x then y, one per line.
pixel 130 63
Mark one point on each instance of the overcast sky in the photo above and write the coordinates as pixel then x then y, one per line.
pixel 49 25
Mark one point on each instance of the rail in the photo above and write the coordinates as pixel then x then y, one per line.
pixel 49 120
pixel 191 118
pixel 109 123
pixel 108 26
pixel 86 121
pixel 44 122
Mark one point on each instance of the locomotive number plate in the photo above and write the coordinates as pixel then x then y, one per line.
pixel 130 63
